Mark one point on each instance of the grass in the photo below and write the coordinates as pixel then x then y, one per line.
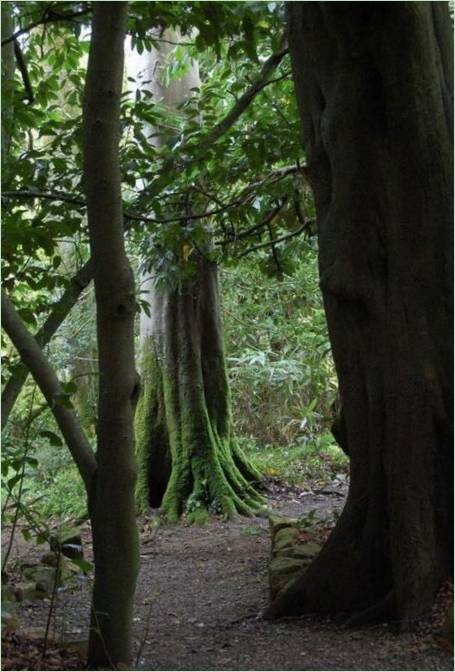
pixel 317 459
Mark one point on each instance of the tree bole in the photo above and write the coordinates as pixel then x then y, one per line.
pixel 188 459
pixel 112 506
pixel 375 97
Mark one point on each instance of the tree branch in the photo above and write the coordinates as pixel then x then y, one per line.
pixel 46 379
pixel 58 313
pixel 274 242
pixel 21 64
pixel 275 251
pixel 49 16
pixel 262 80
pixel 268 219
pixel 274 176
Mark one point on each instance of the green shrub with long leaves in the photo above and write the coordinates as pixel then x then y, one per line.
pixel 280 366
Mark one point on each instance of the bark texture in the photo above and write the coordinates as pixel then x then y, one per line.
pixel 374 87
pixel 7 69
pixel 189 461
pixel 112 507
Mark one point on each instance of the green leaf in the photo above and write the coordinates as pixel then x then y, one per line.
pixel 83 565
pixel 13 481
pixel 26 534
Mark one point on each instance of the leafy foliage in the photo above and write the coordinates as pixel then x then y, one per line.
pixel 282 376
pixel 238 192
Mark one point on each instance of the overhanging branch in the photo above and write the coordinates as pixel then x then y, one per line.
pixel 262 80
pixel 273 176
pixel 58 313
pixel 276 241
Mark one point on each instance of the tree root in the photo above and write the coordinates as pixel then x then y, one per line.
pixel 380 611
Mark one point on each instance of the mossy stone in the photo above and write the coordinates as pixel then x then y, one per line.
pixel 308 550
pixel 282 570
pixel 278 523
pixel 285 538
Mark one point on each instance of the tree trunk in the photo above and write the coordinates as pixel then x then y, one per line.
pixel 112 507
pixel 7 68
pixel 374 87
pixel 189 461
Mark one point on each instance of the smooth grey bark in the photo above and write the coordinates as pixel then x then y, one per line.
pixel 188 459
pixel 46 379
pixel 374 87
pixel 112 510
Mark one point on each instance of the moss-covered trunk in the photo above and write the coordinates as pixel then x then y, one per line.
pixel 374 86
pixel 189 461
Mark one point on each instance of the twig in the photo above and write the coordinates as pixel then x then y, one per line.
pixel 268 219
pixel 274 251
pixel 275 242
pixel 51 605
pixel 146 634
pixel 21 64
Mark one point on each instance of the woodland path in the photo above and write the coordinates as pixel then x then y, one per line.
pixel 201 594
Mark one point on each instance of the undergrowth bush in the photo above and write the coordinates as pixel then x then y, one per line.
pixel 279 360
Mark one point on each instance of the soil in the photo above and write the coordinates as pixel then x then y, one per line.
pixel 200 598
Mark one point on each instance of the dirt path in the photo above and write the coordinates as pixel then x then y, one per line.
pixel 202 591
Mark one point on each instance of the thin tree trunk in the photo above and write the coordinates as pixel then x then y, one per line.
pixel 112 508
pixel 374 87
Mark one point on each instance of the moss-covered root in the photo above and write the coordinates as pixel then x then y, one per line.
pixel 207 480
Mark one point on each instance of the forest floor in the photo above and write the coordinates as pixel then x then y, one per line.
pixel 200 598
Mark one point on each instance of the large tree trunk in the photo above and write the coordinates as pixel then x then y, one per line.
pixel 188 459
pixel 112 506
pixel 374 87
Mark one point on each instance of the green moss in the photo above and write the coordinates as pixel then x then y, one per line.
pixel 198 516
pixel 208 472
